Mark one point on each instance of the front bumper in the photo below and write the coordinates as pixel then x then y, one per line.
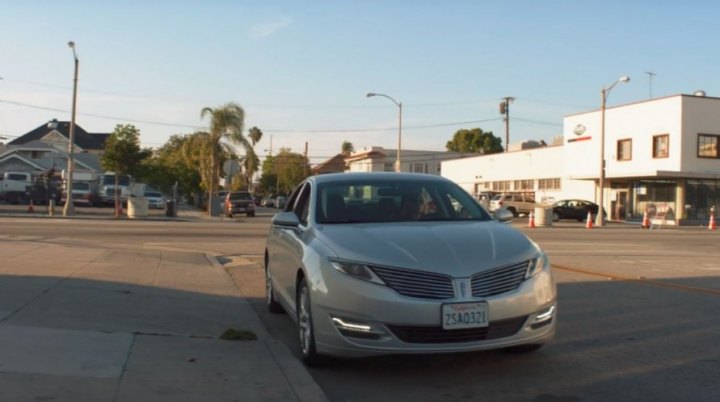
pixel 394 324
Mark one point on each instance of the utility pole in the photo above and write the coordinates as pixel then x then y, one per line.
pixel 307 161
pixel 651 76
pixel 505 111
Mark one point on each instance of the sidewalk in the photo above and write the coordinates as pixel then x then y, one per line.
pixel 88 324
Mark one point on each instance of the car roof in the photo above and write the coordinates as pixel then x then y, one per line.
pixel 389 176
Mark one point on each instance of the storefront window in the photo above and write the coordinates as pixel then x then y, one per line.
pixel 654 195
pixel 700 196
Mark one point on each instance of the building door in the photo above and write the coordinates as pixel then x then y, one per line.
pixel 619 205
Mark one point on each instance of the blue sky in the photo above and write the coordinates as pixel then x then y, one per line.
pixel 301 69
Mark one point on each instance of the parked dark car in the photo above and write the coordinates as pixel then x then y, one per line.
pixel 573 209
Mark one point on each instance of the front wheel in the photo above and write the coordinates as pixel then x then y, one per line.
pixel 556 217
pixel 306 331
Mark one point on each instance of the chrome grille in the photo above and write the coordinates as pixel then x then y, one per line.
pixel 498 280
pixel 420 284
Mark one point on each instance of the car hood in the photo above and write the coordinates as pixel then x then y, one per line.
pixel 459 249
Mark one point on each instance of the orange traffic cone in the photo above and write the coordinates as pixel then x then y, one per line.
pixel 589 223
pixel 31 207
pixel 711 225
pixel 646 221
pixel 531 220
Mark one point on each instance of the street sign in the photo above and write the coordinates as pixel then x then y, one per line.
pixel 231 167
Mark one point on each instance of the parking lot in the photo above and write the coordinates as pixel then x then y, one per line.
pixel 639 312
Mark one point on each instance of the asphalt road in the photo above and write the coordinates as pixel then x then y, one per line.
pixel 639 314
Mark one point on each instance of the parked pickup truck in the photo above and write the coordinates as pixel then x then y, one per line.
pixel 14 185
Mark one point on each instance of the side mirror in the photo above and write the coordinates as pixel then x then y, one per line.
pixel 286 219
pixel 503 215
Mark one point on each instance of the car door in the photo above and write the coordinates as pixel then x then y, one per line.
pixel 561 209
pixel 285 249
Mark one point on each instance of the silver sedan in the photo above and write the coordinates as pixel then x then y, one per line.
pixel 392 263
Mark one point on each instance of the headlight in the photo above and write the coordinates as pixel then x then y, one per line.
pixel 537 264
pixel 356 270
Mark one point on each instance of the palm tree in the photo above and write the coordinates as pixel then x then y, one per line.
pixel 255 135
pixel 347 148
pixel 252 162
pixel 226 123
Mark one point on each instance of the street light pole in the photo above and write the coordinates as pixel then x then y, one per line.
pixel 399 147
pixel 599 221
pixel 69 208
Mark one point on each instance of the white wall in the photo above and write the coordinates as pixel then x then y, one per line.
pixel 638 122
pixel 700 116
pixel 537 163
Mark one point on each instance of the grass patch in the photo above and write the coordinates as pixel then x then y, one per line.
pixel 232 334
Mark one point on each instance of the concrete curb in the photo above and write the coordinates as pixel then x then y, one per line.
pixel 297 376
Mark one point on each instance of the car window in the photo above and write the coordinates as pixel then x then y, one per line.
pixel 239 196
pixel 291 201
pixel 384 200
pixel 302 206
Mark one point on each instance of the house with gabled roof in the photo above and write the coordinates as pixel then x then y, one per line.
pixel 45 148
pixel 57 134
pixel 336 164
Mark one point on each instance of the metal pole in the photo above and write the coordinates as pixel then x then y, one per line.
pixel 397 160
pixel 601 184
pixel 69 208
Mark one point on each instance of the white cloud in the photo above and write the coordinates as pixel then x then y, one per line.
pixel 269 28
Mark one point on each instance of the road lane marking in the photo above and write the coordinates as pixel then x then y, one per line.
pixel 714 292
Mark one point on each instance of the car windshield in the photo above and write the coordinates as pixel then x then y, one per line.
pixel 110 180
pixel 389 201
pixel 81 186
pixel 239 196
pixel 153 195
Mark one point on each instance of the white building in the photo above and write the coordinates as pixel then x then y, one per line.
pixel 378 159
pixel 660 154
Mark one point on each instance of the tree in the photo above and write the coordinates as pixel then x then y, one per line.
pixel 284 171
pixel 255 135
pixel 226 123
pixel 251 161
pixel 347 148
pixel 475 140
pixel 123 155
pixel 171 164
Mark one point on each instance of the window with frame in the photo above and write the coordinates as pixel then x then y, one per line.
pixel 388 167
pixel 501 185
pixel 303 204
pixel 661 144
pixel 624 150
pixel 707 146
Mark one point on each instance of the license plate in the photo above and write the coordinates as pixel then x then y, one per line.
pixel 465 315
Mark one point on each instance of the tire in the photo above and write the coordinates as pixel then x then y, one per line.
pixel 306 331
pixel 513 210
pixel 251 214
pixel 556 217
pixel 272 304
pixel 524 348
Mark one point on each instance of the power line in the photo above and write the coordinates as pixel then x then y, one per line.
pixel 195 127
